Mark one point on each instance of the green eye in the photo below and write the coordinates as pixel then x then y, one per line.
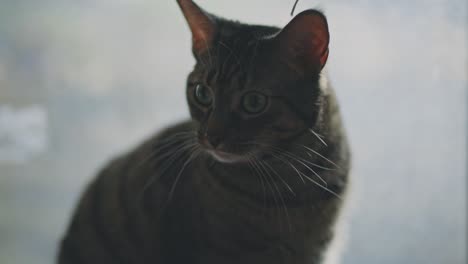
pixel 254 103
pixel 203 95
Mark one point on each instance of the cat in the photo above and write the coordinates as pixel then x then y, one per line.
pixel 258 174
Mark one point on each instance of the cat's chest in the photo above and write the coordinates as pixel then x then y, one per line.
pixel 252 217
pixel 221 222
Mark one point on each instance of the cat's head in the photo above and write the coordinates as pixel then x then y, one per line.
pixel 254 88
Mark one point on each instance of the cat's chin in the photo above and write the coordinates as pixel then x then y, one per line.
pixel 225 157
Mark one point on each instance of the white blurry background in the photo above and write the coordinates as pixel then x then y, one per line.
pixel 81 81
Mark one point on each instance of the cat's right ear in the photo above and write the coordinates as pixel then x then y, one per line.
pixel 201 24
pixel 305 39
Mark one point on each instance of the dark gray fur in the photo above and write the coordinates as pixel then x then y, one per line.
pixel 155 205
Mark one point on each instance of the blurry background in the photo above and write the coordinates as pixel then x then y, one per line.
pixel 81 81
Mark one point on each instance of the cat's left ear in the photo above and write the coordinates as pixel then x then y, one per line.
pixel 201 24
pixel 306 39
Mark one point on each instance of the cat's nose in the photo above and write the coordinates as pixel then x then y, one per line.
pixel 214 140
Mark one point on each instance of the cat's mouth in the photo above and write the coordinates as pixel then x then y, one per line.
pixel 226 157
pixel 222 152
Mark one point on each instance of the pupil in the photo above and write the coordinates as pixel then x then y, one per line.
pixel 203 95
pixel 254 103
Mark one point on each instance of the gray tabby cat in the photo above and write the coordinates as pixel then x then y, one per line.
pixel 257 175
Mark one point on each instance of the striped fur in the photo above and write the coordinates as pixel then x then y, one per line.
pixel 169 201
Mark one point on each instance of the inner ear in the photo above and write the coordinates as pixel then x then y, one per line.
pixel 306 38
pixel 202 25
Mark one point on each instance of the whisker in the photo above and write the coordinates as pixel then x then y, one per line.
pixel 305 160
pixel 279 177
pixel 321 186
pixel 303 164
pixel 311 180
pixel 193 155
pixel 159 146
pixel 259 177
pixel 255 164
pixel 180 147
pixel 292 154
pixel 296 158
pixel 319 137
pixel 320 155
pixel 170 144
pixel 180 151
pixel 292 166
pixel 280 195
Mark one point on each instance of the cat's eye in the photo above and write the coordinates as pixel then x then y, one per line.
pixel 254 103
pixel 203 95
